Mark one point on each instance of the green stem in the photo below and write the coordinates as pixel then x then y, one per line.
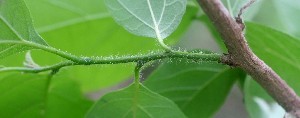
pixel 48 49
pixel 163 45
pixel 137 76
pixel 118 60
pixel 47 89
pixel 37 70
pixel 137 70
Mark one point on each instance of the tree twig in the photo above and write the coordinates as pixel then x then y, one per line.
pixel 117 60
pixel 242 56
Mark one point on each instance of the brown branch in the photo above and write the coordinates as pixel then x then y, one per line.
pixel 240 55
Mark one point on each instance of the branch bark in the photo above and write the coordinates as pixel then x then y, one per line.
pixel 240 55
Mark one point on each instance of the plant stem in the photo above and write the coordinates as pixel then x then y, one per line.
pixel 163 45
pixel 240 55
pixel 137 74
pixel 47 90
pixel 48 49
pixel 118 60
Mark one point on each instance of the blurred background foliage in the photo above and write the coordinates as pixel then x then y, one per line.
pixel 85 28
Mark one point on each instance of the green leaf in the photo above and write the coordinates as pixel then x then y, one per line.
pixel 287 10
pixel 133 102
pixel 150 18
pixel 234 7
pixel 86 28
pixel 280 14
pixel 199 89
pixel 17 32
pixel 29 96
pixel 258 103
pixel 278 50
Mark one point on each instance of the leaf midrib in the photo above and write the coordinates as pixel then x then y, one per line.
pixel 145 111
pixel 157 32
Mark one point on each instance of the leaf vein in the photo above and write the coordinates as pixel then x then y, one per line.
pixel 157 32
pixel 145 111
pixel 11 28
pixel 135 15
pixel 162 13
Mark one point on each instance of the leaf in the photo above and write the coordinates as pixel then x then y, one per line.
pixel 17 32
pixel 258 103
pixel 235 6
pixel 273 110
pixel 29 96
pixel 133 102
pixel 287 10
pixel 65 99
pixel 150 18
pixel 279 51
pixel 282 16
pixel 86 28
pixel 199 89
